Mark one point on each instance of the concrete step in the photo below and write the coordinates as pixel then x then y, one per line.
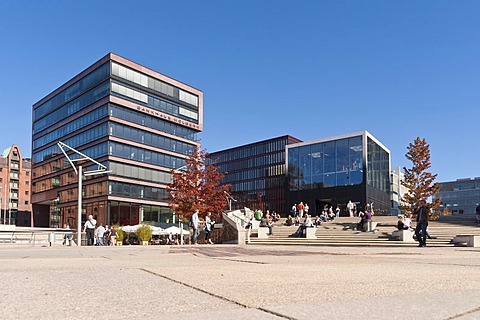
pixel 340 232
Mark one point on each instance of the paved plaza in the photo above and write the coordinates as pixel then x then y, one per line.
pixel 239 282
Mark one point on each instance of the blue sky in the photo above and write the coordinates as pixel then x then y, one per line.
pixel 311 69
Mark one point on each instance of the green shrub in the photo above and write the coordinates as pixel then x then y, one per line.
pixel 120 234
pixel 144 233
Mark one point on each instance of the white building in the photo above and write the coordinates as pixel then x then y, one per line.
pixel 397 190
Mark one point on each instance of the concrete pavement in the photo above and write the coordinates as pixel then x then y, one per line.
pixel 239 282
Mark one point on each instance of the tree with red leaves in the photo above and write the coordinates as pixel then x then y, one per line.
pixel 197 187
pixel 418 181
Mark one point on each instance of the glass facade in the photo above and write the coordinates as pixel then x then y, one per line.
pixel 337 170
pixel 460 197
pixel 137 122
pixel 256 173
pixel 326 164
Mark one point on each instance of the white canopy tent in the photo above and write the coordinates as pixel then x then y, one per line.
pixel 174 230
pixel 128 229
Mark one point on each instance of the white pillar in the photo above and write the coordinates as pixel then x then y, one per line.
pixel 79 214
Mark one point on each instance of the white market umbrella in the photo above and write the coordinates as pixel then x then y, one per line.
pixel 174 230
pixel 156 230
pixel 129 229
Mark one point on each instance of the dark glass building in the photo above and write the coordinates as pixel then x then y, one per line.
pixel 256 173
pixel 353 167
pixel 137 122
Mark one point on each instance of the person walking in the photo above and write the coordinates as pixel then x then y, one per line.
pixel 248 227
pixel 194 223
pixel 294 210
pixel 350 208
pixel 422 223
pixel 337 212
pixel 113 236
pixel 89 229
pixel 99 233
pixel 67 238
pixel 208 228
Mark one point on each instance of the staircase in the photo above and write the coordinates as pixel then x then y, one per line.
pixel 341 233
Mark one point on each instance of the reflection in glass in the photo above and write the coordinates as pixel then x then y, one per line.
pixel 326 164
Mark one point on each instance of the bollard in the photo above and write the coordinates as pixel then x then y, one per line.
pixel 51 238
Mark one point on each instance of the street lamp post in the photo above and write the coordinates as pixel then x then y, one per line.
pixel 229 200
pixel 81 174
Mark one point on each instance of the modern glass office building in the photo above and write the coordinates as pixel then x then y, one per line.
pixel 353 167
pixel 256 173
pixel 460 197
pixel 136 121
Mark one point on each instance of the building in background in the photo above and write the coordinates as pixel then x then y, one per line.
pixel 398 190
pixel 15 179
pixel 256 173
pixel 460 197
pixel 333 171
pixel 136 121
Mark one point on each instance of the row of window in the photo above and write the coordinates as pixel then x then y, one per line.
pixel 152 122
pixel 150 139
pixel 119 112
pixel 14 184
pixel 326 180
pixel 72 126
pixel 72 91
pixel 86 99
pixel 461 202
pixel 153 84
pixel 252 174
pixel 137 192
pixel 251 151
pixel 266 159
pixel 117 130
pixel 154 102
pixel 125 213
pixel 85 137
pixel 459 195
pixel 139 173
pixel 146 156
pixel 248 186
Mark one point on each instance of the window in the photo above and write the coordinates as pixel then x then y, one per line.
pixel 26 202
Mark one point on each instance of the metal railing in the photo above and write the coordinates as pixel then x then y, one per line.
pixel 36 237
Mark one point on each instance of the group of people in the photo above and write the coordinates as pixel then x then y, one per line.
pixel 328 213
pixel 208 225
pixel 99 235
pixel 266 220
pixel 299 209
